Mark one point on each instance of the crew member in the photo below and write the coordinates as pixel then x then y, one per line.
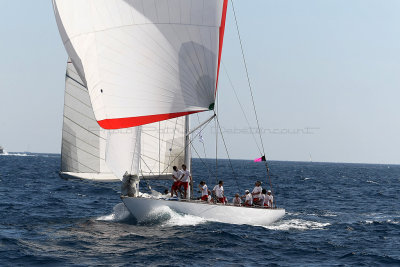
pixel 186 177
pixel 204 191
pixel 219 192
pixel 248 199
pixel 269 199
pixel 236 200
pixel 176 175
pixel 256 193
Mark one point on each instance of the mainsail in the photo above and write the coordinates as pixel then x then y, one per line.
pixel 144 61
pixel 83 141
pixel 85 144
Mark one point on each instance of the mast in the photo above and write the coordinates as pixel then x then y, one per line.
pixel 188 156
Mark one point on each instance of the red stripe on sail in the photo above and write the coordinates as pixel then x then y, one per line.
pixel 113 124
pixel 221 39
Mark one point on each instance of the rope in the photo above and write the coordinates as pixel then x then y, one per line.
pixel 247 74
pixel 227 153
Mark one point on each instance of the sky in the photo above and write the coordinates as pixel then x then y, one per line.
pixel 324 76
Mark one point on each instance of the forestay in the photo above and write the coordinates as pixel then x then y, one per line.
pixel 144 61
pixel 83 141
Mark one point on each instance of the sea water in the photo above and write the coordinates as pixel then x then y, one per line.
pixel 337 214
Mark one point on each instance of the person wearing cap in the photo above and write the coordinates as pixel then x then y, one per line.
pixel 248 199
pixel 218 191
pixel 269 200
pixel 236 200
pixel 256 193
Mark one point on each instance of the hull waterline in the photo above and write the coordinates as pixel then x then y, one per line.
pixel 145 208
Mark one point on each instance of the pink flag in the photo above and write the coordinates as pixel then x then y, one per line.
pixel 258 160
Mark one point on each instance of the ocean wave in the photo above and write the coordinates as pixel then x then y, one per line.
pixel 18 154
pixel 297 224
pixel 120 213
pixel 168 217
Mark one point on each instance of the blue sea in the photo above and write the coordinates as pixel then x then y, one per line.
pixel 337 215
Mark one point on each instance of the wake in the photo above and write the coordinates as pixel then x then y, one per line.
pixel 163 216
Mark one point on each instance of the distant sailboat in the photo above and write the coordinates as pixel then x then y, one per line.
pixel 147 65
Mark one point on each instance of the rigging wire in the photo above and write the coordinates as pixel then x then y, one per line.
pixel 241 107
pixel 251 91
pixel 204 150
pixel 247 74
pixel 202 161
pixel 227 153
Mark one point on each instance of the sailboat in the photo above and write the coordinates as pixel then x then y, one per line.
pixel 145 67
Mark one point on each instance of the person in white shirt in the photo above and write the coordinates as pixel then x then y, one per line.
pixel 219 192
pixel 269 200
pixel 262 199
pixel 204 191
pixel 176 175
pixel 256 193
pixel 186 177
pixel 248 199
pixel 236 200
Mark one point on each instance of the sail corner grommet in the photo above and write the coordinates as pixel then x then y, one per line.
pixel 211 106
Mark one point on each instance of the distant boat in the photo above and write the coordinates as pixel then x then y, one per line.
pixel 146 66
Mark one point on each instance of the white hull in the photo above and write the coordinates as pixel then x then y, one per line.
pixel 145 208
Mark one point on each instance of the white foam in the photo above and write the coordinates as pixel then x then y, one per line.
pixel 167 217
pixel 372 182
pixel 17 154
pixel 120 212
pixel 297 224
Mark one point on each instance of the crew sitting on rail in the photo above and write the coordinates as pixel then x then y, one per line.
pixel 219 192
pixel 236 200
pixel 248 199
pixel 176 175
pixel 204 191
pixel 186 177
pixel 269 200
pixel 256 193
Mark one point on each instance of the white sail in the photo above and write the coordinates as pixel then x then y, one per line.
pixel 123 151
pixel 163 146
pixel 144 61
pixel 83 141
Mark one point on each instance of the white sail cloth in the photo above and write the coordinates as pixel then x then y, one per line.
pixel 83 141
pixel 163 146
pixel 123 151
pixel 144 61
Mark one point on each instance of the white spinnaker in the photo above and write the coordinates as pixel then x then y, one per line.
pixel 83 140
pixel 144 61
pixel 123 151
pixel 163 146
